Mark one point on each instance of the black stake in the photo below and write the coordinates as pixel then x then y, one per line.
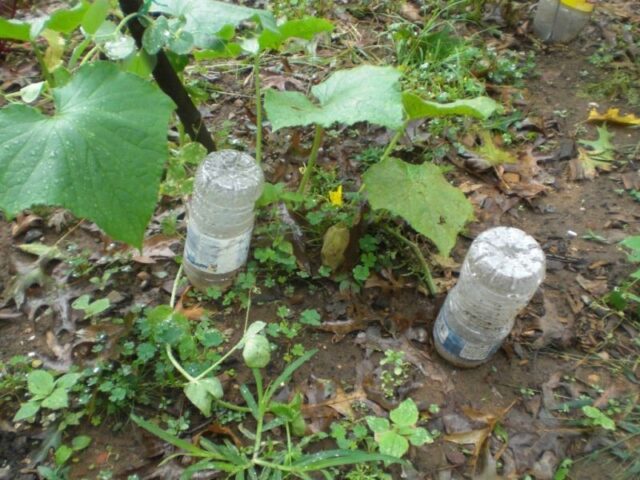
pixel 170 83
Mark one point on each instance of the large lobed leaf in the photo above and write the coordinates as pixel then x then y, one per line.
pixel 480 107
pixel 304 28
pixel 100 155
pixel 205 18
pixel 362 94
pixel 63 20
pixel 422 196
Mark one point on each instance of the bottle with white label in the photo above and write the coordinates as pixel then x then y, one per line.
pixel 500 274
pixel 560 21
pixel 221 216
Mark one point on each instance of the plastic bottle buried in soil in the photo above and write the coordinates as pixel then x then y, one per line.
pixel 560 21
pixel 221 217
pixel 500 274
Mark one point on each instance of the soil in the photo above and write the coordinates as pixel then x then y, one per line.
pixel 559 220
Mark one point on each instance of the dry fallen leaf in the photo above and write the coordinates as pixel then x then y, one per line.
pixel 410 12
pixel 24 223
pixel 157 246
pixel 553 327
pixel 613 115
pixel 479 437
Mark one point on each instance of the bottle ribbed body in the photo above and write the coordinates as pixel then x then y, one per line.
pixel 560 21
pixel 220 217
pixel 499 275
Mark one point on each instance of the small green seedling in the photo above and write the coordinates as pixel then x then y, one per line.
pixel 597 418
pixel 310 317
pixel 62 456
pixel 46 392
pixel 91 309
pixel 394 437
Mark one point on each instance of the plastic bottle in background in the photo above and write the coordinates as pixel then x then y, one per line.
pixel 560 21
pixel 221 216
pixel 500 274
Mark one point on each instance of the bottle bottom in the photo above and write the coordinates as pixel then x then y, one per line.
pixel 455 359
pixel 201 280
pixel 458 349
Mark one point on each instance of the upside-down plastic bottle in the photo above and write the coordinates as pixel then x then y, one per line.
pixel 560 21
pixel 500 274
pixel 221 217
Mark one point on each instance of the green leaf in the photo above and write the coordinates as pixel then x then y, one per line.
pixel 256 352
pixel 284 411
pixel 68 380
pixel 286 374
pixel 180 41
pixel 599 417
pixel 599 155
pixel 480 107
pixel 202 392
pixel 95 15
pixel 406 414
pixel 58 399
pixel 602 148
pixel 213 386
pixel 199 396
pixel 31 92
pixel 422 196
pixel 273 193
pixel 140 64
pixel 254 329
pixel 156 35
pixel 40 383
pixel 80 442
pixel 305 28
pixel 14 30
pixel 101 155
pixel 420 436
pixel 251 401
pixel 362 94
pixel 378 424
pixel 41 250
pixel 27 410
pixel 63 454
pixel 205 18
pixel 336 458
pixel 491 153
pixel 67 20
pixel 310 316
pixel 392 444
pixel 633 244
pixel 167 437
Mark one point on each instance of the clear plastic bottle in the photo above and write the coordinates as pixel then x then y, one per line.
pixel 500 274
pixel 560 21
pixel 221 216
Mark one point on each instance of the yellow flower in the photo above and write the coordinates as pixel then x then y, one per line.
pixel 335 196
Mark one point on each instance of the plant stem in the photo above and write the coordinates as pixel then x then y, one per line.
pixel 394 141
pixel 43 65
pixel 261 411
pixel 233 349
pixel 258 88
pixel 232 406
pixel 79 50
pixel 174 290
pixel 426 271
pixel 313 157
pixel 178 366
pixel 169 82
pixel 275 466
